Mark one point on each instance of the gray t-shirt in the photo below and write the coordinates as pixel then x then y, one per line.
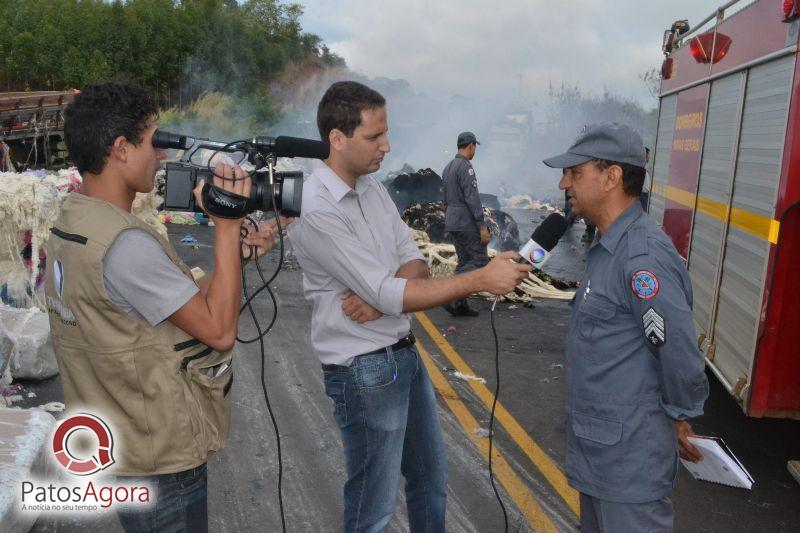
pixel 142 280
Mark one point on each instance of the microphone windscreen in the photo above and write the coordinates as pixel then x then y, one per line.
pixel 297 147
pixel 550 231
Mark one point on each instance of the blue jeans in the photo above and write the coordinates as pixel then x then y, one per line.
pixel 180 504
pixel 385 407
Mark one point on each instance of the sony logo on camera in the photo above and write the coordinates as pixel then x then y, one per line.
pixel 224 202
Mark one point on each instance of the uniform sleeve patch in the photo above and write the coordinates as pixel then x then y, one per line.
pixel 471 172
pixel 644 284
pixel 655 329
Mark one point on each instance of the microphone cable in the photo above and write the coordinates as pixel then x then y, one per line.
pixel 261 334
pixel 491 416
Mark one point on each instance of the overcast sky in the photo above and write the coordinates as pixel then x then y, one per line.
pixel 498 49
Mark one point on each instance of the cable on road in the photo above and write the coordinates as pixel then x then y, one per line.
pixel 261 334
pixel 491 416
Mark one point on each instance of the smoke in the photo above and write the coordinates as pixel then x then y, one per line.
pixel 422 130
pixel 515 133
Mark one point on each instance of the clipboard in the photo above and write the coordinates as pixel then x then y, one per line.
pixel 719 464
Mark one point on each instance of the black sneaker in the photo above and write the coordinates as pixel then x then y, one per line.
pixel 463 309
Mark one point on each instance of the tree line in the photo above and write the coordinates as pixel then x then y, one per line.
pixel 177 49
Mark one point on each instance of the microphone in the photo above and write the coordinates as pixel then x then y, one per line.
pixel 545 237
pixel 282 146
pixel 297 147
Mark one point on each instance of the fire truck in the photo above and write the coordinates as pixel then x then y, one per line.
pixel 31 126
pixel 725 186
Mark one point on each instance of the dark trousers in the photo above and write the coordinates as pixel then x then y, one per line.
pixel 471 253
pixel 602 516
pixel 180 504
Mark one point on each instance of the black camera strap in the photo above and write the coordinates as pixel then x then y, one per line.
pixel 224 204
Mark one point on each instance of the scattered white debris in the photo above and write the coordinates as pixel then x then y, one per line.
pixel 520 201
pixel 52 407
pixel 31 395
pixel 481 433
pixel 442 260
pixel 29 206
pixel 25 437
pixel 468 377
pixel 29 202
pixel 523 201
pixel 31 355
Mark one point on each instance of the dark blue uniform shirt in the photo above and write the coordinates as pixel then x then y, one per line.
pixel 462 203
pixel 632 364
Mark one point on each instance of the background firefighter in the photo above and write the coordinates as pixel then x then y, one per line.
pixel 464 220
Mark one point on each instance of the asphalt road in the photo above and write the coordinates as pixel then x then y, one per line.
pixel 529 432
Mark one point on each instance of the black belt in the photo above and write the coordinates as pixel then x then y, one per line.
pixel 405 342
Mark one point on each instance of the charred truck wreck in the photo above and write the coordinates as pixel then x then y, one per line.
pixel 419 198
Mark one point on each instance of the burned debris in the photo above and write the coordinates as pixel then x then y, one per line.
pixel 419 199
pixel 414 187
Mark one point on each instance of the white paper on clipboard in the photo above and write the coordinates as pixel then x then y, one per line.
pixel 719 465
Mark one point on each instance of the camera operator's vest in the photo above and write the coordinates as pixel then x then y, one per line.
pixel 164 395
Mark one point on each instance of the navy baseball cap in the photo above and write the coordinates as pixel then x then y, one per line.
pixel 612 142
pixel 466 137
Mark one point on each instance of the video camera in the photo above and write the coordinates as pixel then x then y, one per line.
pixel 281 191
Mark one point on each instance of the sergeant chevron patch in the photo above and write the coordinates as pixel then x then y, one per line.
pixel 655 329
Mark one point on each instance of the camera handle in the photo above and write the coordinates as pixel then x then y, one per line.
pixel 224 204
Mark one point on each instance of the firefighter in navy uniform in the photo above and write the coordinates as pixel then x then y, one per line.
pixel 463 219
pixel 634 372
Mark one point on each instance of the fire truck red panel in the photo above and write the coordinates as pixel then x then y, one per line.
pixel 685 165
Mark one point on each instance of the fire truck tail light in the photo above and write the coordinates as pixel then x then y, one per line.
pixel 791 10
pixel 666 68
pixel 721 48
pixel 666 45
pixel 702 45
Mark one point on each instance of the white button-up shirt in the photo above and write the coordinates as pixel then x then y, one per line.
pixel 351 239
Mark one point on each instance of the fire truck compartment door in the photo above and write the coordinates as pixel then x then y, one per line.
pixel 756 180
pixel 663 155
pixel 714 190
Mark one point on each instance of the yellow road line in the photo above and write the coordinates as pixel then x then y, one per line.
pixel 523 498
pixel 538 457
pixel 755 224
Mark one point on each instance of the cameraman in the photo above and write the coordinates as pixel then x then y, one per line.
pixel 139 343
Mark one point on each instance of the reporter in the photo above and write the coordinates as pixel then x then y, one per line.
pixel 138 342
pixel 369 277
